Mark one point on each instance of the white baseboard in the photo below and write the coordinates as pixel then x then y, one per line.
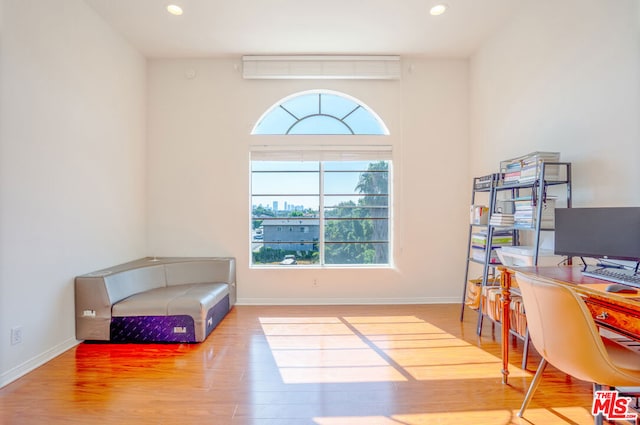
pixel 347 301
pixel 35 362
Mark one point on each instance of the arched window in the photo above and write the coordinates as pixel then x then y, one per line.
pixel 336 195
pixel 320 112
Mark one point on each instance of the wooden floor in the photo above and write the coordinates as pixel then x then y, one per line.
pixel 329 365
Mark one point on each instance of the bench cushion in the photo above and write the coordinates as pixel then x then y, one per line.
pixel 172 300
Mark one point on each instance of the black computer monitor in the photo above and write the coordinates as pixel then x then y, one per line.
pixel 612 233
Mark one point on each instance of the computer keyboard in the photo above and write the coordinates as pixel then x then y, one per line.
pixel 611 274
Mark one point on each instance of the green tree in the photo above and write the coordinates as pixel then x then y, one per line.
pixel 342 227
pixel 374 183
pixel 350 226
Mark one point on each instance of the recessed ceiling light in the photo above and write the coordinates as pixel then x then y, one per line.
pixel 174 9
pixel 438 9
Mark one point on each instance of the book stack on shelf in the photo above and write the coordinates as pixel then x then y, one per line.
pixel 527 168
pixel 492 302
pixel 479 245
pixel 502 219
pixel 517 318
pixel 511 172
pixel 525 213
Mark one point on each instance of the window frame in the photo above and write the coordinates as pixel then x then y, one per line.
pixel 300 117
pixel 321 147
pixel 323 220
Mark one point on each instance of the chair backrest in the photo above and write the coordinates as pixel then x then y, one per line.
pixel 563 331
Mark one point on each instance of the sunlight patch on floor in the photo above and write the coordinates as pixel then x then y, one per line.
pixel 383 319
pixel 328 358
pixel 385 328
pixel 433 353
pixel 373 349
pixel 312 342
pixel 340 375
pixel 439 356
pixel 296 329
pixel 299 320
pixel 416 341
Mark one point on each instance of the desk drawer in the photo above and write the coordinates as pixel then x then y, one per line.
pixel 615 317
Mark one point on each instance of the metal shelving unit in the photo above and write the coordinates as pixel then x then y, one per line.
pixel 492 186
pixel 481 185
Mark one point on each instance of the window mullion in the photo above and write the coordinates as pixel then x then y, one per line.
pixel 321 212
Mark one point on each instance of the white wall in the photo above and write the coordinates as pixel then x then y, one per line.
pixel 564 76
pixel 198 165
pixel 72 168
pixel 80 190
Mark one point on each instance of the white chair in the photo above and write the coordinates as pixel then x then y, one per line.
pixel 564 333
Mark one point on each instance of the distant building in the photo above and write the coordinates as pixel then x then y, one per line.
pixel 293 234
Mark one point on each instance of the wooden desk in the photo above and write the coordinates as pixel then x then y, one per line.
pixel 619 313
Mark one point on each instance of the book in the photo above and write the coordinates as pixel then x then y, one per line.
pixel 502 219
pixel 525 214
pixel 529 167
pixel 498 239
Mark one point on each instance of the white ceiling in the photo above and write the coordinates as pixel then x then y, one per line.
pixel 215 28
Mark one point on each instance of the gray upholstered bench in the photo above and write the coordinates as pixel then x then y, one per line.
pixel 155 300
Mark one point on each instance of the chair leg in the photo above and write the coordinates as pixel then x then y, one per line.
pixel 532 387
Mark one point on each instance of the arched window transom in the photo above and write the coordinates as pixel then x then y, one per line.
pixel 322 113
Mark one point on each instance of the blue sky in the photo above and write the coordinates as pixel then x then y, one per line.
pixel 305 181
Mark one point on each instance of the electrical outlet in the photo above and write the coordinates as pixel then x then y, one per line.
pixel 315 282
pixel 16 335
